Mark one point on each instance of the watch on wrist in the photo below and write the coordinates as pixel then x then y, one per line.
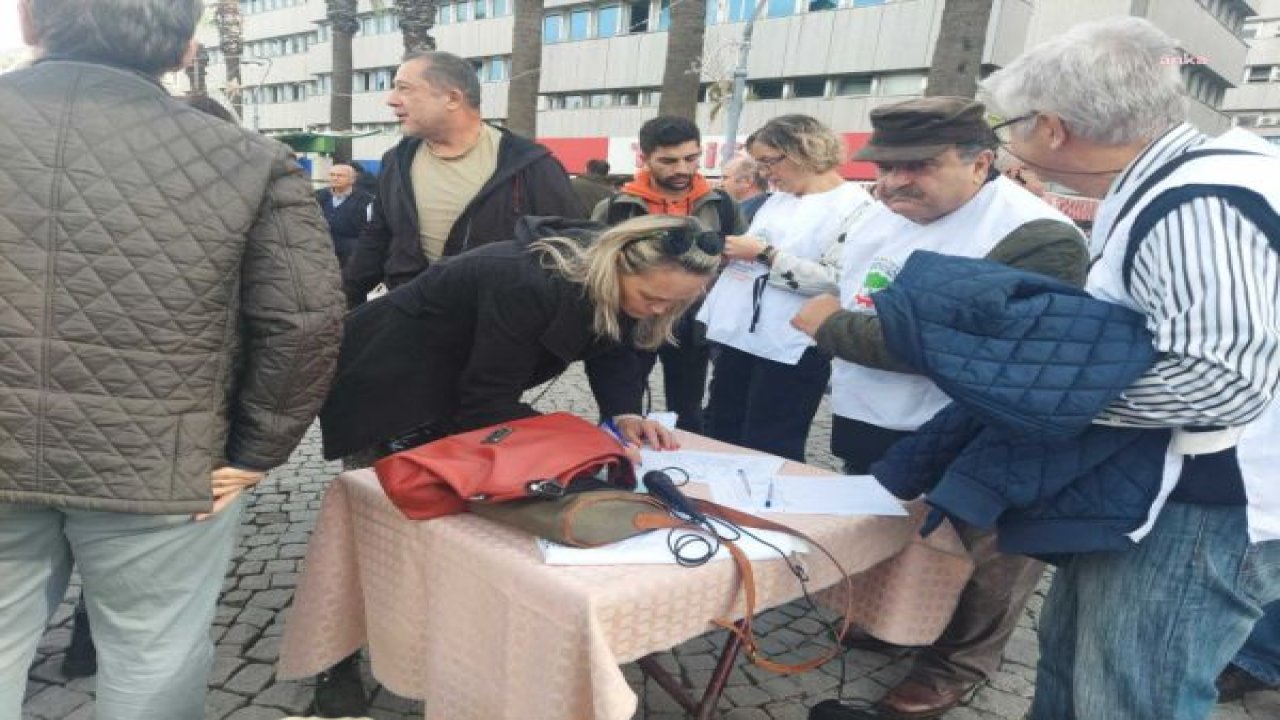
pixel 767 254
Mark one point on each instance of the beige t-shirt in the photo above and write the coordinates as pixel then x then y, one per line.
pixel 442 187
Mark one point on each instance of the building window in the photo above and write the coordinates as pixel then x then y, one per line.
pixel 901 84
pixel 444 14
pixel 501 8
pixel 480 10
pixel 780 8
pixel 767 89
pixel 664 15
pixel 740 10
pixel 1258 74
pixel 809 87
pixel 607 18
pixel 854 85
pixel 573 102
pixel 580 24
pixel 638 16
pixel 499 69
pixel 820 5
pixel 628 98
pixel 867 3
pixel 462 11
pixel 553 29
pixel 599 100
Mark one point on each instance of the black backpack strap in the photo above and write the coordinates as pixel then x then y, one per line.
pixel 1252 205
pixel 727 211
pixel 615 213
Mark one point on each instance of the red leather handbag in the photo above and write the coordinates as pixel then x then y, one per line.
pixel 542 456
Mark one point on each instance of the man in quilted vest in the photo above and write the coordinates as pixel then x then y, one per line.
pixel 169 319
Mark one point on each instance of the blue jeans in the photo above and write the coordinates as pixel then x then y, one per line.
pixel 1260 656
pixel 1142 634
pixel 151 585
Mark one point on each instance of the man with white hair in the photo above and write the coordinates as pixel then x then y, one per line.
pixel 1187 234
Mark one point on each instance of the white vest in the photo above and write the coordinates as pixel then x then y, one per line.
pixel 1258 448
pixel 872 258
pixel 804 227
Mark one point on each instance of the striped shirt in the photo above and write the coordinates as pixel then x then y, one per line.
pixel 1209 283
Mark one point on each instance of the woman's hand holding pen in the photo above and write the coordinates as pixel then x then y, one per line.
pixel 636 431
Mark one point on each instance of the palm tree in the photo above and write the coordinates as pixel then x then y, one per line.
pixel 226 16
pixel 957 57
pixel 526 61
pixel 683 71
pixel 343 24
pixel 417 17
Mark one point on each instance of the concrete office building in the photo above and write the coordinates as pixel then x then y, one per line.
pixel 602 61
pixel 1255 101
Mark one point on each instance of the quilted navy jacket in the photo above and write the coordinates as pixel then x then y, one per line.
pixel 1030 362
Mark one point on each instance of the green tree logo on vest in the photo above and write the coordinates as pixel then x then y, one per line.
pixel 877 278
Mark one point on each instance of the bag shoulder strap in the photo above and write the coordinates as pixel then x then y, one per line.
pixel 1252 205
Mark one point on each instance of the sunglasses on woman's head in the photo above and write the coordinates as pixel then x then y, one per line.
pixel 678 241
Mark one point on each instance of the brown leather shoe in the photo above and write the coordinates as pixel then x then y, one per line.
pixel 914 699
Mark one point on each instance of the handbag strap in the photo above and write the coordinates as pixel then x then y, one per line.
pixel 745 630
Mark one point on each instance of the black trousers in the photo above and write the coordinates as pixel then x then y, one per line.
pixel 766 405
pixel 684 373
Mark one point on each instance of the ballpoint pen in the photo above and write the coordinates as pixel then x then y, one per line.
pixel 745 485
pixel 613 430
pixel 768 498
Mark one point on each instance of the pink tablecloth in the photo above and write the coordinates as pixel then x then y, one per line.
pixel 462 612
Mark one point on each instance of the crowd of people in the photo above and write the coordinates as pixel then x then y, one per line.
pixel 173 322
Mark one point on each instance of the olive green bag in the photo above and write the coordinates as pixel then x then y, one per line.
pixel 584 519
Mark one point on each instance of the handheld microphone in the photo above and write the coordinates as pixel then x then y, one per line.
pixel 661 487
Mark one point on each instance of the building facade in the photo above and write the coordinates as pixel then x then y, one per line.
pixel 1255 102
pixel 602 61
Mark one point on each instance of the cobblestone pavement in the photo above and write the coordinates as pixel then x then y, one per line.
pixel 259 589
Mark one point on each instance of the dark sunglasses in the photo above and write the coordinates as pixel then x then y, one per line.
pixel 678 241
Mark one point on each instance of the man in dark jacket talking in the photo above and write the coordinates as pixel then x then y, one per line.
pixel 169 321
pixel 454 182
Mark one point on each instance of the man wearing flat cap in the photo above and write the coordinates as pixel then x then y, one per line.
pixel 938 192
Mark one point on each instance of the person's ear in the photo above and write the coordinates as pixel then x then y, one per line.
pixel 189 55
pixel 1056 129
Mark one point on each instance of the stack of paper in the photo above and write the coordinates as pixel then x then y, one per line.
pixel 810 494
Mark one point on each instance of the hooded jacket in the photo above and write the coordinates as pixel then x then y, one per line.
pixel 528 180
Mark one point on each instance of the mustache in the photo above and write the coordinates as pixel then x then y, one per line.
pixel 907 193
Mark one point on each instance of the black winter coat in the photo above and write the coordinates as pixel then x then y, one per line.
pixel 346 221
pixel 528 181
pixel 457 346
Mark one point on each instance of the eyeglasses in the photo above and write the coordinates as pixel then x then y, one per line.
pixel 678 241
pixel 769 162
pixel 1003 129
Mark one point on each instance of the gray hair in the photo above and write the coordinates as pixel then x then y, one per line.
pixel 1111 82
pixel 969 151
pixel 149 36
pixel 446 71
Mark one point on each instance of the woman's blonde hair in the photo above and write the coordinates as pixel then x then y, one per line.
pixel 809 143
pixel 630 248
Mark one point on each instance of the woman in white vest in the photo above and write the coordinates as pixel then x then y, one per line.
pixel 768 377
